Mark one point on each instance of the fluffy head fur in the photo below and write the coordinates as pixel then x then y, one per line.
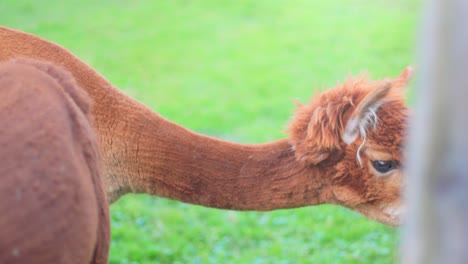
pixel 347 127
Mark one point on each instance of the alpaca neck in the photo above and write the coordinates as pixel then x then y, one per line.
pixel 143 152
pixel 161 158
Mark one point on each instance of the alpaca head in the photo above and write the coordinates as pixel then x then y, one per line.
pixel 355 133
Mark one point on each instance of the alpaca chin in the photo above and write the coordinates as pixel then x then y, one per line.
pixel 396 212
pixel 390 215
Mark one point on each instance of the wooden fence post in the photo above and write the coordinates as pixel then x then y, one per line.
pixel 436 229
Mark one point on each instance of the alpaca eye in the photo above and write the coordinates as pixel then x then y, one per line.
pixel 384 166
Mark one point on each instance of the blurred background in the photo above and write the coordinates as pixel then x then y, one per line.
pixel 231 69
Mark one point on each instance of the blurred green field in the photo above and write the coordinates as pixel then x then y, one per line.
pixel 231 69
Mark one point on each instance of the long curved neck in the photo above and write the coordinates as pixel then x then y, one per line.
pixel 165 159
pixel 143 152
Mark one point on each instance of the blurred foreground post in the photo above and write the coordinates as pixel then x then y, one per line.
pixel 436 228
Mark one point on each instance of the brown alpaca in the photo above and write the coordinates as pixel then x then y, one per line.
pixel 338 144
pixel 53 205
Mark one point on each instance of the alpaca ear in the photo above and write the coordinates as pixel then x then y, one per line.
pixel 404 78
pixel 364 115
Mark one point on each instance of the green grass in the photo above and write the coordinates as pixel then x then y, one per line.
pixel 231 69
